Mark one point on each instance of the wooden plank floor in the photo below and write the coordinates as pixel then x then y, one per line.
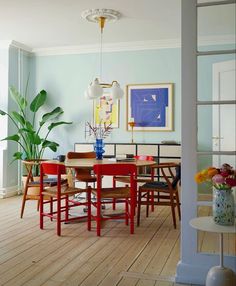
pixel 31 257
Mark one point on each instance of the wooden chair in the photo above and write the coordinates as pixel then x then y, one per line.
pixel 31 184
pixel 57 194
pixel 140 174
pixel 164 193
pixel 125 194
pixel 83 175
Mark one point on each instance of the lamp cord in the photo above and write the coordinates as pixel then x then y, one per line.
pixel 101 42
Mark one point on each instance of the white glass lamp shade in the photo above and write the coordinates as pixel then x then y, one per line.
pixel 94 90
pixel 116 91
pixel 86 93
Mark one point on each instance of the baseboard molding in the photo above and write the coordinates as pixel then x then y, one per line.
pixel 190 274
pixel 9 192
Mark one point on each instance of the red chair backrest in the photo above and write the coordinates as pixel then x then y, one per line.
pixel 144 157
pixel 115 169
pixel 52 169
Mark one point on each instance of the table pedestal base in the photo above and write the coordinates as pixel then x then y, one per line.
pixel 220 276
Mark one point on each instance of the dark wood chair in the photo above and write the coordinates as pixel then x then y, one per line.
pixel 164 193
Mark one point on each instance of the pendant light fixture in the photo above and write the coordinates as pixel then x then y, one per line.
pixel 95 89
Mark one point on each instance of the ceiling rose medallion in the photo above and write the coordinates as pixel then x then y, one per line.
pixel 93 15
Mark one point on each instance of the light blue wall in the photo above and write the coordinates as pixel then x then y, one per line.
pixel 66 77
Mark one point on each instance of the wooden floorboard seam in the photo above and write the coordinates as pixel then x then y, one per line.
pixel 148 276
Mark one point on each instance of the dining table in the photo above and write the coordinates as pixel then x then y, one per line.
pixel 89 163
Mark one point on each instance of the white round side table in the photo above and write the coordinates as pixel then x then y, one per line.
pixel 217 275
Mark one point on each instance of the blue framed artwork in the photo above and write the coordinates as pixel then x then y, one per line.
pixel 150 107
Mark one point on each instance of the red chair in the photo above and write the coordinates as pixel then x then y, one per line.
pixel 125 194
pixel 141 175
pixel 59 193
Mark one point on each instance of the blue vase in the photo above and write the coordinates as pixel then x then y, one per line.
pixel 98 149
pixel 223 207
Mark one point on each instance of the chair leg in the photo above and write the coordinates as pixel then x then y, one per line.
pixel 23 202
pixel 114 200
pixel 89 208
pixel 126 212
pixel 152 201
pixel 139 208
pixel 66 208
pixel 178 205
pixel 98 219
pixel 131 212
pixel 58 216
pixel 51 207
pixel 38 205
pixel 172 203
pixel 41 205
pixel 147 206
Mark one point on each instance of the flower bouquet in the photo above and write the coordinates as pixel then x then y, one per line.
pixel 223 179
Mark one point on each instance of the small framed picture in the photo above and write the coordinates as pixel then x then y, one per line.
pixel 106 110
pixel 150 107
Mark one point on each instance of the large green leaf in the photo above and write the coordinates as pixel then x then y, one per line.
pixel 14 137
pixel 52 125
pixel 50 144
pixel 34 138
pixel 2 112
pixel 24 130
pixel 18 98
pixel 38 101
pixel 29 126
pixel 19 118
pixel 51 115
pixel 18 155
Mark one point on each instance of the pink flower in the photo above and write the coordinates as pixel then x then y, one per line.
pixel 218 179
pixel 231 182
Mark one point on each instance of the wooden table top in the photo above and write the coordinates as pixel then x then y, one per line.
pixel 89 163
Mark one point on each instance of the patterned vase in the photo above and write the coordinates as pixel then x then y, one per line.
pixel 223 207
pixel 98 149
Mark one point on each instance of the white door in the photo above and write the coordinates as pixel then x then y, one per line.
pixel 224 115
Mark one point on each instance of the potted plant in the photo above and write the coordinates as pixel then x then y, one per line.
pixel 32 134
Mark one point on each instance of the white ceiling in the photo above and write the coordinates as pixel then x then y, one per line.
pixel 54 23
